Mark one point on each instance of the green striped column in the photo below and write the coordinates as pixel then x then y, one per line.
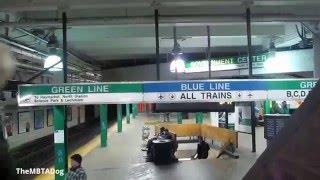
pixel 104 124
pixel 133 110
pixel 199 117
pixel 179 117
pixel 60 150
pixel 266 106
pixel 128 113
pixel 119 117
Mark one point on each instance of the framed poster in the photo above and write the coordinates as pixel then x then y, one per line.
pixel 49 117
pixel 69 113
pixel 74 113
pixel 8 123
pixel 24 121
pixel 243 115
pixel 38 119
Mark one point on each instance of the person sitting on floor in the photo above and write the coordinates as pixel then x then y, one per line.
pixel 202 149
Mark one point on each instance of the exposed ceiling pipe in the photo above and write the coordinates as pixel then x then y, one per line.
pixel 30 52
pixel 28 66
pixel 13 43
pixel 141 20
pixel 76 5
pixel 26 53
pixel 46 42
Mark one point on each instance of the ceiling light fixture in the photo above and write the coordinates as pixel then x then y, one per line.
pixel 272 49
pixel 177 64
pixel 53 57
pixel 271 62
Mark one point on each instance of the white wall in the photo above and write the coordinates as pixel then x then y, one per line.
pixel 287 61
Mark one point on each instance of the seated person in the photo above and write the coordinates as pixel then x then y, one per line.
pixel 168 135
pixel 161 131
pixel 202 149
pixel 165 135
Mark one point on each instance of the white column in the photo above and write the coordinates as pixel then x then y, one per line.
pixel 214 119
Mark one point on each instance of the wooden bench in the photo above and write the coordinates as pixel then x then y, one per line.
pixel 224 140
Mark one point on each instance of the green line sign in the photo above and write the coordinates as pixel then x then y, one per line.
pixel 65 94
pixel 79 88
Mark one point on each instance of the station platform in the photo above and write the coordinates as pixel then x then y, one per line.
pixel 123 159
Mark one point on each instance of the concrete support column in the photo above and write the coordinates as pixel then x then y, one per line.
pixel 214 119
pixel 316 56
pixel 128 113
pixel 119 117
pixel 104 124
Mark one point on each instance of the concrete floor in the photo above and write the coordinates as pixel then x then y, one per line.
pixel 123 159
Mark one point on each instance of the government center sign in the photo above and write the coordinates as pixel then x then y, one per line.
pixel 227 63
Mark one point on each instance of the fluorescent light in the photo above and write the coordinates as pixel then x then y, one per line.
pixel 270 64
pixel 185 159
pixel 280 63
pixel 51 60
pixel 177 65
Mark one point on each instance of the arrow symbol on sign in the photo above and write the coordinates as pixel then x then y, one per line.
pixel 161 97
pixel 250 95
pixel 172 96
pixel 238 95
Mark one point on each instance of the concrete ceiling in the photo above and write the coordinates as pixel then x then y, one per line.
pixel 126 42
pixel 108 30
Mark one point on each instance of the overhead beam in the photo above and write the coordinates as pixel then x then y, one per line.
pixel 163 19
pixel 14 6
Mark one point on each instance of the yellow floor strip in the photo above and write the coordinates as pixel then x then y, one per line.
pixel 155 122
pixel 83 151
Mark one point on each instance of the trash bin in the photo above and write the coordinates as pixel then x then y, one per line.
pixel 145 132
pixel 162 151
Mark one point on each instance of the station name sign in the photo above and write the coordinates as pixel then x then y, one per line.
pixel 165 92
pixel 226 63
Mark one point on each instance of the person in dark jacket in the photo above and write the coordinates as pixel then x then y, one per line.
pixel 202 149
